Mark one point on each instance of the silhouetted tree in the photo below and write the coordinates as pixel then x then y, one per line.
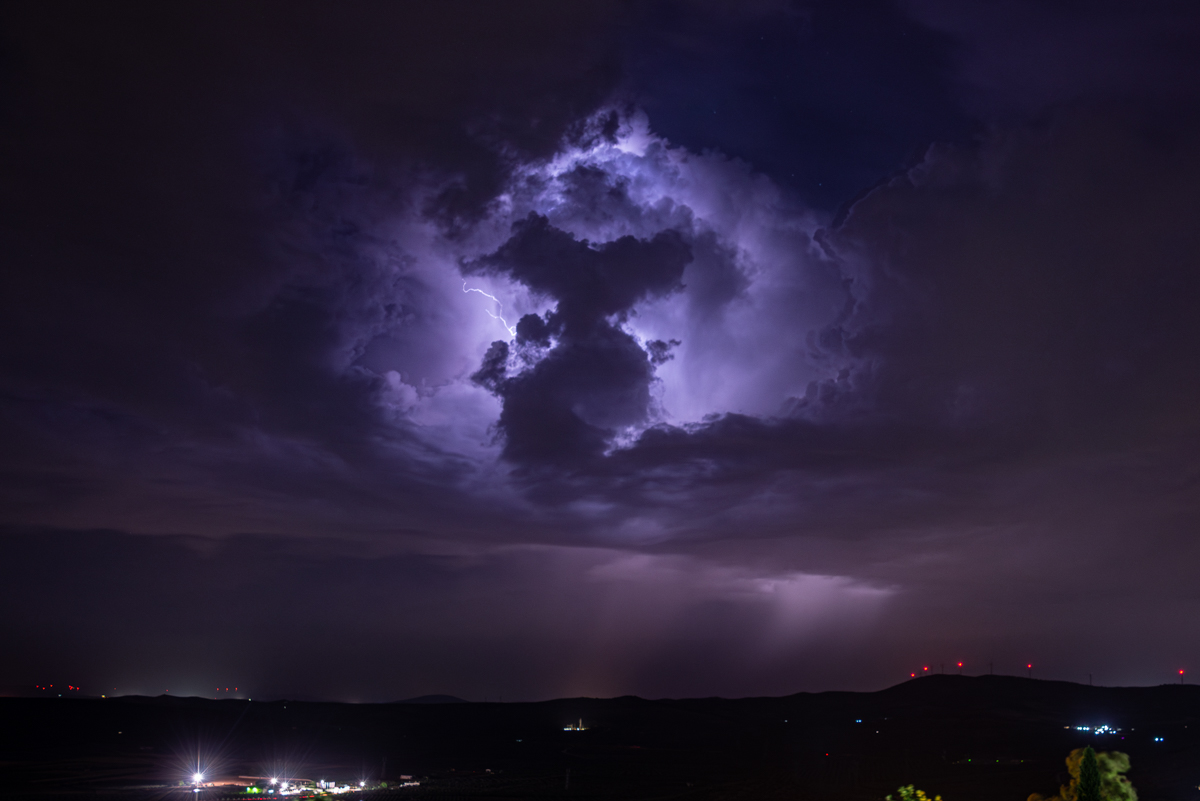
pixel 1089 776
pixel 1111 784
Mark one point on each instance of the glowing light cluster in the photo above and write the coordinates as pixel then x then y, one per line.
pixel 308 787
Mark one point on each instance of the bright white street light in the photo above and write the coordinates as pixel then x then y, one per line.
pixel 197 777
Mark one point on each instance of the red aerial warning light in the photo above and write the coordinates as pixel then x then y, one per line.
pixel 924 668
pixel 960 664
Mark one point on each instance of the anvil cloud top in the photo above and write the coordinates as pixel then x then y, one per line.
pixel 543 348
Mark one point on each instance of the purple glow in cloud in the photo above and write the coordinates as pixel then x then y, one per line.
pixel 736 333
pixel 757 286
pixel 715 429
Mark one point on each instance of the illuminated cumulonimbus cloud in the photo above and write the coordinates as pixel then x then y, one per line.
pixel 674 287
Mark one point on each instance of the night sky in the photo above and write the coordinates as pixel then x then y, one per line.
pixel 365 350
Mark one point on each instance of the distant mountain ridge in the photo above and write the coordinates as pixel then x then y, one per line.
pixel 433 699
pixel 966 738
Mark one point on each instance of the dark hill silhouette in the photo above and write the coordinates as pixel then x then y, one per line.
pixel 967 738
pixel 433 699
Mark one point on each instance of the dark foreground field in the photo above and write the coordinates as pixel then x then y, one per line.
pixel 968 739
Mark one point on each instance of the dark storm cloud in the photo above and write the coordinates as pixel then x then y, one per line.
pixel 1039 286
pixel 1017 354
pixel 238 359
pixel 199 266
pixel 995 321
pixel 589 283
pixel 595 378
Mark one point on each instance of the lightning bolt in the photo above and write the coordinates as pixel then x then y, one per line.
pixel 512 332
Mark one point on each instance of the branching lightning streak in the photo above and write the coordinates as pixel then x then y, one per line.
pixel 512 331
